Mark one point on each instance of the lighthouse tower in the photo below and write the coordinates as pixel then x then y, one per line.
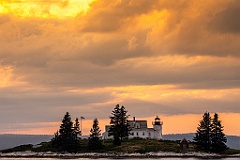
pixel 157 126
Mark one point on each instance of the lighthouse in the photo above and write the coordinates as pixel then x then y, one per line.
pixel 139 129
pixel 157 126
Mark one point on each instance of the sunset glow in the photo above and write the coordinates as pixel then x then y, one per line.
pixel 167 58
pixel 177 124
pixel 44 9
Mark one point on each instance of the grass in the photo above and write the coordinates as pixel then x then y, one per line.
pixel 231 151
pixel 143 146
pixel 127 146
pixel 27 147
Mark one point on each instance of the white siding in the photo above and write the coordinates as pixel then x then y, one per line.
pixel 138 134
pixel 140 130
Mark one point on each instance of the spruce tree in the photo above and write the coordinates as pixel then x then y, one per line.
pixel 202 137
pixel 94 142
pixel 66 133
pixel 55 139
pixel 114 129
pixel 66 138
pixel 76 134
pixel 124 127
pixel 76 129
pixel 119 126
pixel 218 138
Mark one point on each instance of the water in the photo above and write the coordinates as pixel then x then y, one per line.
pixel 115 159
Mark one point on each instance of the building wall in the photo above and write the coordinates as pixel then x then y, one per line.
pixel 157 132
pixel 138 134
pixel 140 130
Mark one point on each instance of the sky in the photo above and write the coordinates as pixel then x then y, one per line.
pixel 174 59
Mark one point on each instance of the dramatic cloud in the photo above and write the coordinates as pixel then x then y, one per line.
pixel 85 57
pixel 226 21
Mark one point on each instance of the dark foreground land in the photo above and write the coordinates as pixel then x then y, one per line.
pixel 134 148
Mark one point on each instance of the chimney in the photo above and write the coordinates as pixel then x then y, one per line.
pixel 134 119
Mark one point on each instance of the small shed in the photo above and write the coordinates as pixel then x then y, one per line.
pixel 184 144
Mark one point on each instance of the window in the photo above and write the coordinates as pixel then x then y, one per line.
pixel 137 125
pixel 143 133
pixel 137 133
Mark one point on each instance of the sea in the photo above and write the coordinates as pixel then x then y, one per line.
pixel 115 159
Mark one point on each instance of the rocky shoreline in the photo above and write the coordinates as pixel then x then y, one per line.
pixel 29 154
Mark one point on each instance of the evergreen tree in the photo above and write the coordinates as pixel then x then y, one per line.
pixel 76 129
pixel 202 137
pixel 124 127
pixel 94 142
pixel 218 138
pixel 119 126
pixel 66 139
pixel 95 130
pixel 55 139
pixel 76 134
pixel 114 121
pixel 210 136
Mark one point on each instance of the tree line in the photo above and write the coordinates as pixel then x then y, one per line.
pixel 67 138
pixel 209 135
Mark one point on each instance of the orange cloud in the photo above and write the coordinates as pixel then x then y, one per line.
pixel 8 78
pixel 171 57
pixel 44 9
pixel 5 76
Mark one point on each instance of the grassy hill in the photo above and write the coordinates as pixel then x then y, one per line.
pixel 169 143
pixel 128 146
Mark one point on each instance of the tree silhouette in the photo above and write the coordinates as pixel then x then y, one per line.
pixel 202 137
pixel 119 126
pixel 66 138
pixel 94 142
pixel 210 136
pixel 76 129
pixel 218 138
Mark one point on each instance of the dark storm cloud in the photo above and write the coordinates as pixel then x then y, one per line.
pixel 227 21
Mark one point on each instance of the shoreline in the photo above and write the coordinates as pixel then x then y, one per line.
pixel 29 154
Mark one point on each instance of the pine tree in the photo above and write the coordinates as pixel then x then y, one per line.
pixel 66 133
pixel 202 137
pixel 76 129
pixel 119 126
pixel 76 134
pixel 114 129
pixel 218 138
pixel 66 139
pixel 55 139
pixel 124 127
pixel 94 142
pixel 95 130
pixel 210 136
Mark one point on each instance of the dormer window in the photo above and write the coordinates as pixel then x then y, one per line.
pixel 137 125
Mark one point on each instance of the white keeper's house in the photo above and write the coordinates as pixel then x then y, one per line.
pixel 139 129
